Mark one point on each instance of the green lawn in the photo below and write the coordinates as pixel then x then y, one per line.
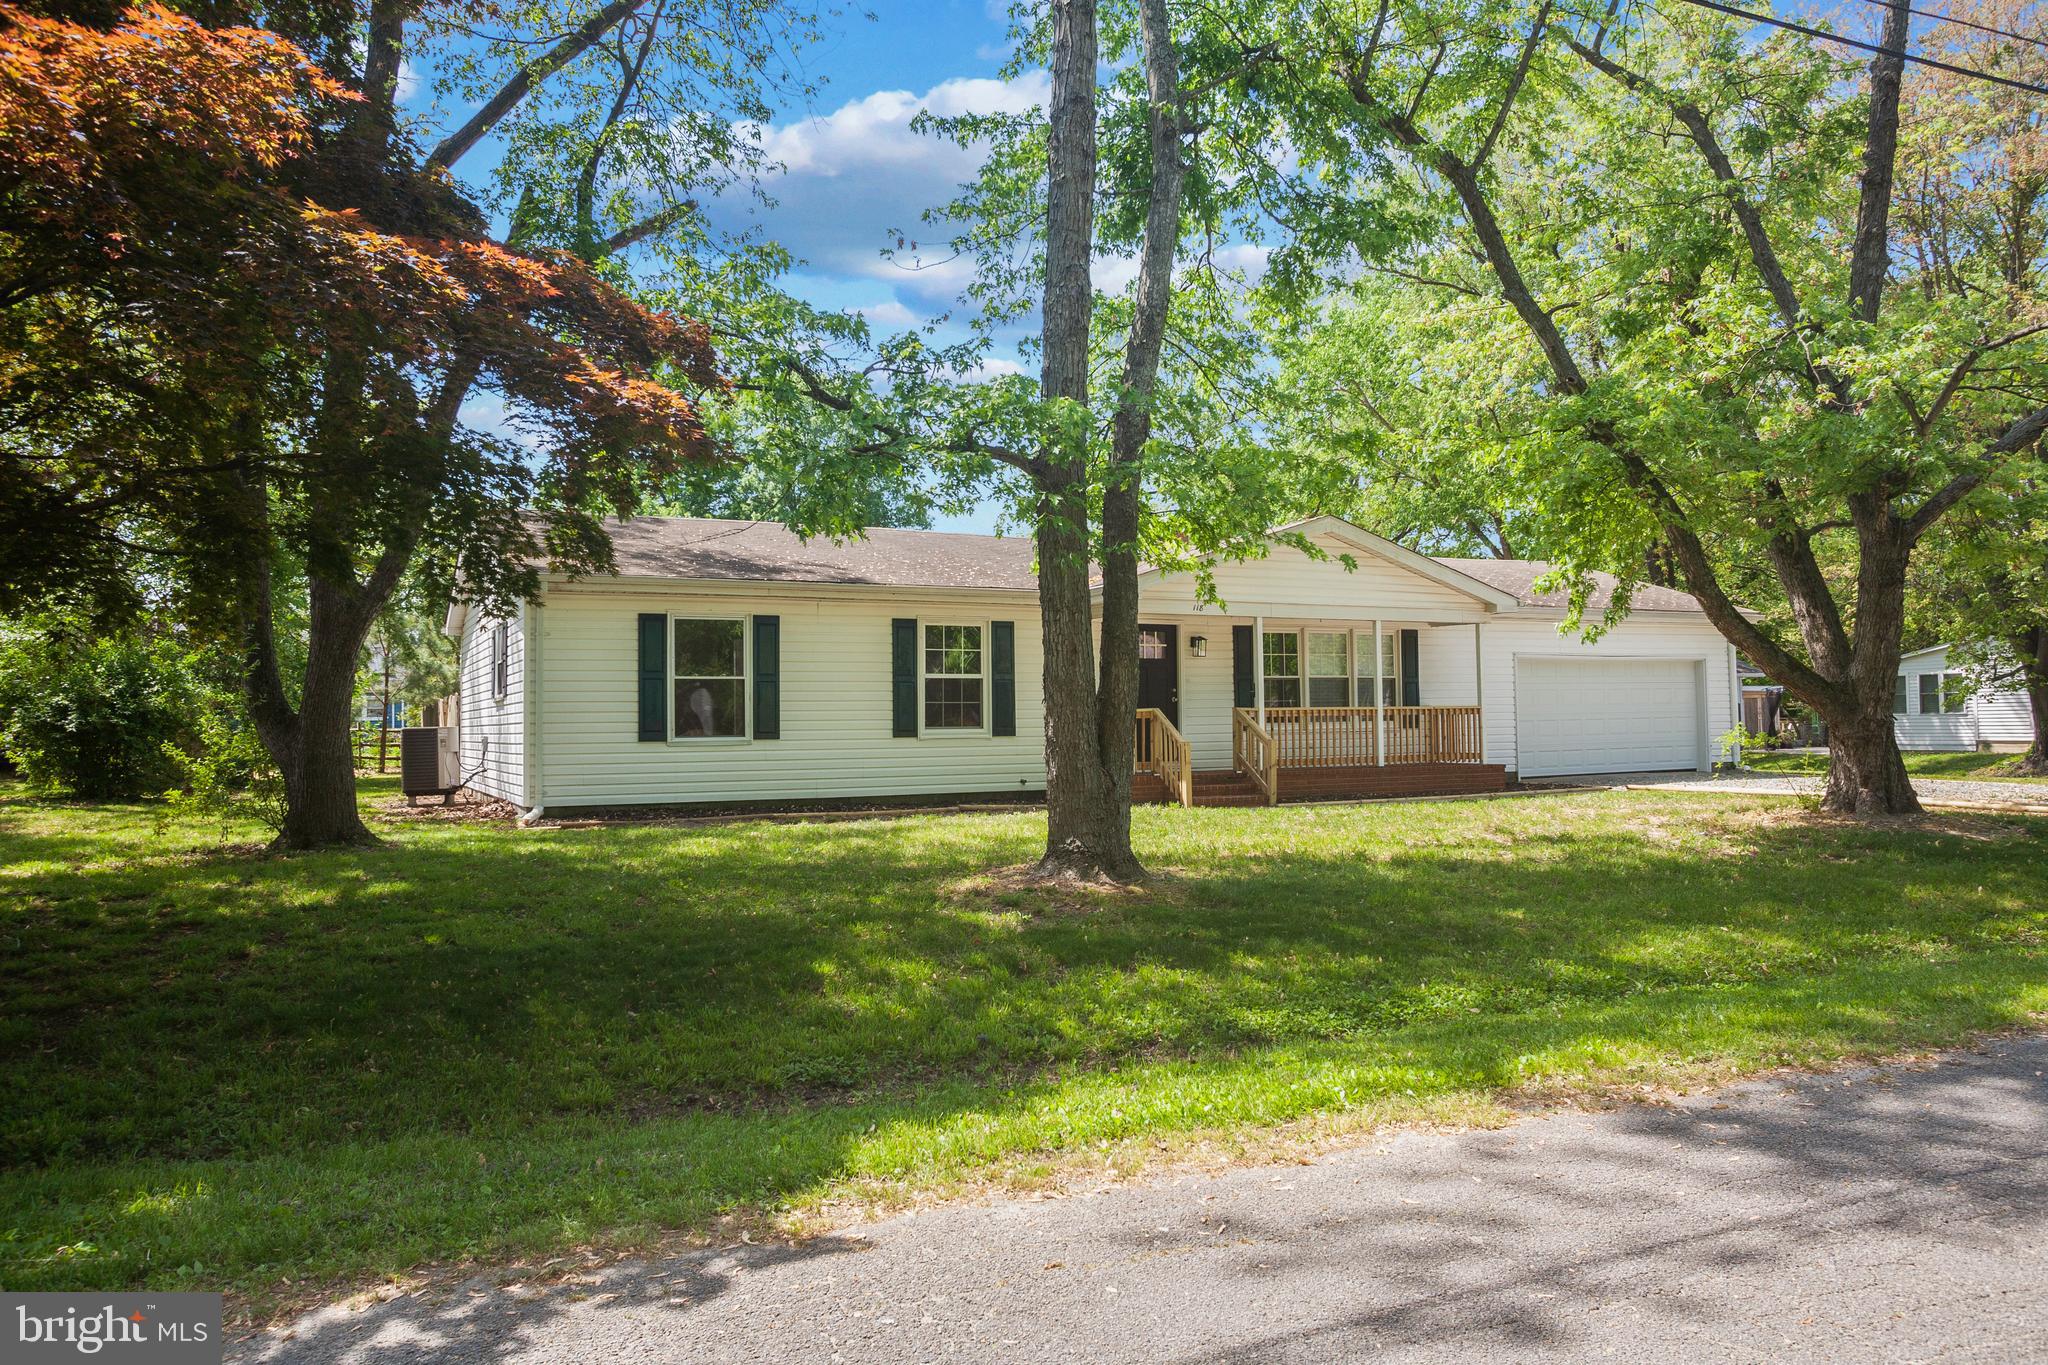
pixel 229 1070
pixel 1966 766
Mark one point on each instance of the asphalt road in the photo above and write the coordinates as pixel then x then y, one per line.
pixel 1895 1214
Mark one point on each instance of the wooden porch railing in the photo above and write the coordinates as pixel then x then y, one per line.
pixel 1349 736
pixel 1254 753
pixel 1163 752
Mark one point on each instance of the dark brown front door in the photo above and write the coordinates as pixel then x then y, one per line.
pixel 1159 670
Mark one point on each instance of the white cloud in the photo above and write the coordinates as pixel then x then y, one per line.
pixel 857 176
pixel 994 367
pixel 889 314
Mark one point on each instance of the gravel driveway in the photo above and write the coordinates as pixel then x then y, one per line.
pixel 1885 1214
pixel 1943 790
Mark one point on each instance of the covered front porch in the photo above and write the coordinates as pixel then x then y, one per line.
pixel 1311 710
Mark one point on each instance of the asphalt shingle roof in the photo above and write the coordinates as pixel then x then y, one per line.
pixel 750 551
pixel 1519 576
pixel 767 551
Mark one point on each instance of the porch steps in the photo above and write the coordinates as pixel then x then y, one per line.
pixel 1224 787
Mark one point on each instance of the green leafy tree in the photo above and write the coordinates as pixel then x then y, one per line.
pixel 250 302
pixel 1675 242
pixel 1128 443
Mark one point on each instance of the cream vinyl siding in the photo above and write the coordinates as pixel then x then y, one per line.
pixel 500 764
pixel 1287 582
pixel 836 716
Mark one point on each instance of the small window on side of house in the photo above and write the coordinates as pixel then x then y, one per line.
pixel 501 660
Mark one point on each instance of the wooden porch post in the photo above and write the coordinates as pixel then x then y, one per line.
pixel 1479 687
pixel 1379 699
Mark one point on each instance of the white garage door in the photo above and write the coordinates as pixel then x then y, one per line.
pixel 1605 715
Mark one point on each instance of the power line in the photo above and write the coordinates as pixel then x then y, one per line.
pixel 1827 37
pixel 1964 23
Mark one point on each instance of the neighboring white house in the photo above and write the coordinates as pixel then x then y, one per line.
pixel 1932 708
pixel 729 662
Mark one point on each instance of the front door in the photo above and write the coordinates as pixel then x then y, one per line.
pixel 1159 670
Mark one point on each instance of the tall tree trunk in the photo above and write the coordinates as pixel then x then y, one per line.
pixel 310 743
pixel 2033 651
pixel 1087 827
pixel 1866 774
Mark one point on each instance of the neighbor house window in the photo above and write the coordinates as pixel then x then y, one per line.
pixel 711 678
pixel 1390 668
pixel 1954 692
pixel 501 660
pixel 1329 668
pixel 1283 668
pixel 1899 695
pixel 1930 693
pixel 954 678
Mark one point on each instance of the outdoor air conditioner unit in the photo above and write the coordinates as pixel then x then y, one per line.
pixel 429 761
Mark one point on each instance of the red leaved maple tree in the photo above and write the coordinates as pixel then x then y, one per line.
pixel 238 322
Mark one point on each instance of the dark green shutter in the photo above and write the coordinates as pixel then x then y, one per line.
pixel 1002 678
pixel 1411 660
pixel 903 676
pixel 1243 659
pixel 767 677
pixel 653 675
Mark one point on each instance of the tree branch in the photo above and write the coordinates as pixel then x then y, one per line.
pixel 1521 73
pixel 578 42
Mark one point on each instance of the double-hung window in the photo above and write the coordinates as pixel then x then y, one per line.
pixel 955 678
pixel 1899 695
pixel 1390 668
pixel 1329 668
pixel 1930 694
pixel 711 677
pixel 1282 655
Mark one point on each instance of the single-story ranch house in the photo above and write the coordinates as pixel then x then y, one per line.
pixel 729 662
pixel 1932 708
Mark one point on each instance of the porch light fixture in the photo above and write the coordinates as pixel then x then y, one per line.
pixel 1198 646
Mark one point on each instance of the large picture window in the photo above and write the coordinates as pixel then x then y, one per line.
pixel 1282 655
pixel 955 678
pixel 1329 668
pixel 711 678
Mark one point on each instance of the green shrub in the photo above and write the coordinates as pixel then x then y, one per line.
pixel 92 713
pixel 225 773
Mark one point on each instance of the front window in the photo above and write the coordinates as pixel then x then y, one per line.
pixel 1283 668
pixel 1390 669
pixel 1930 693
pixel 1899 695
pixel 711 678
pixel 1329 668
pixel 954 676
